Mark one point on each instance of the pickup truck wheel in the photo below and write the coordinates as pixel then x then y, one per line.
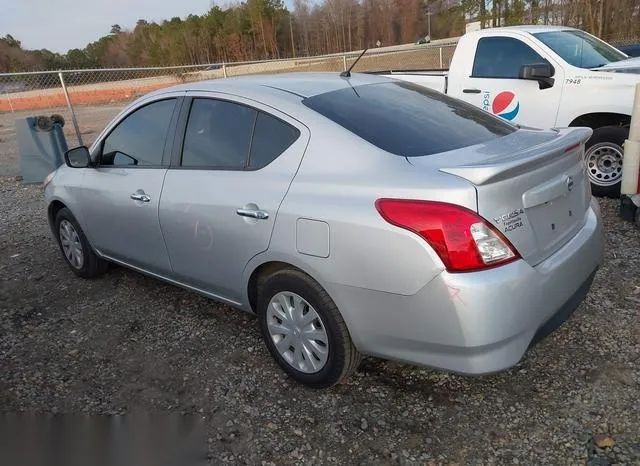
pixel 603 158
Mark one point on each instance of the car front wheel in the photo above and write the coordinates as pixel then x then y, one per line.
pixel 303 329
pixel 75 247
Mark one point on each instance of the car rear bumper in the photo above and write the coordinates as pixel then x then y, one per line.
pixel 481 322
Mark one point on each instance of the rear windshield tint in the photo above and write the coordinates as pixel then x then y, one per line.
pixel 408 119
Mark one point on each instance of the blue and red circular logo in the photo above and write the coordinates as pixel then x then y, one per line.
pixel 506 105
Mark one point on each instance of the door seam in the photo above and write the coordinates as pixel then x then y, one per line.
pixel 164 240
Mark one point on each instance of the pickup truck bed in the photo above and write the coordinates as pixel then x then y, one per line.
pixel 433 79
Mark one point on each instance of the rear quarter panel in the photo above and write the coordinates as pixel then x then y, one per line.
pixel 338 182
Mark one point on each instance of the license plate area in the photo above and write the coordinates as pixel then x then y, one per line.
pixel 556 221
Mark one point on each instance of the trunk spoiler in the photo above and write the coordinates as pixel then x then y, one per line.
pixel 502 167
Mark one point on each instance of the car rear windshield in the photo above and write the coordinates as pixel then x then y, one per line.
pixel 408 119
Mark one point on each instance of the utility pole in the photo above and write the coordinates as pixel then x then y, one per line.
pixel 429 22
pixel 531 13
pixel 293 44
pixel 600 19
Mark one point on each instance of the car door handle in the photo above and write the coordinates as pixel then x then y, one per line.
pixel 259 214
pixel 140 197
pixel 471 91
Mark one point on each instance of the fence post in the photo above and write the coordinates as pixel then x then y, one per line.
pixel 73 114
pixel 441 64
pixel 344 62
pixel 9 100
pixel 224 69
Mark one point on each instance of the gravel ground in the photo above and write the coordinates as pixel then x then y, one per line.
pixel 125 343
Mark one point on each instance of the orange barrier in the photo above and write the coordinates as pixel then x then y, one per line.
pixel 55 98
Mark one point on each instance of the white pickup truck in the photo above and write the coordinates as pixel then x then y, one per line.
pixel 543 77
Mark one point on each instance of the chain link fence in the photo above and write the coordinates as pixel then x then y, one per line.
pixel 44 90
pixel 96 96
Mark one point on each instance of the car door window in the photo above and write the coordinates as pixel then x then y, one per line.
pixel 139 139
pixel 502 57
pixel 271 138
pixel 218 134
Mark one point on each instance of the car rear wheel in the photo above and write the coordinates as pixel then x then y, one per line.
pixel 75 247
pixel 603 158
pixel 303 329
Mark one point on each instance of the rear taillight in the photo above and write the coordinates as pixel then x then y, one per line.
pixel 463 240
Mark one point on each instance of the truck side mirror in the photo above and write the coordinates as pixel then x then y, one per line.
pixel 541 72
pixel 78 157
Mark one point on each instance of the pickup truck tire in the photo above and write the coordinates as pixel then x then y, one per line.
pixel 603 158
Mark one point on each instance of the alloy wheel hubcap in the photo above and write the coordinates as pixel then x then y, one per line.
pixel 71 245
pixel 297 332
pixel 604 163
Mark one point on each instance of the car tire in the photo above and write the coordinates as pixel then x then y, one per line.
pixel 321 353
pixel 603 158
pixel 76 250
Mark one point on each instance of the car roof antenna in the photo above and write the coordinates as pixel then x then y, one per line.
pixel 347 73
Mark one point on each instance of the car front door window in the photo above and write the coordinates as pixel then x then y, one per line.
pixel 139 139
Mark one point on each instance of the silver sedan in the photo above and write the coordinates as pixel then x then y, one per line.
pixel 355 215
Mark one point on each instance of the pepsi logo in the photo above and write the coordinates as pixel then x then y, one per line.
pixel 506 105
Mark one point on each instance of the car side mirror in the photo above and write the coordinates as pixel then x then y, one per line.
pixel 541 72
pixel 78 157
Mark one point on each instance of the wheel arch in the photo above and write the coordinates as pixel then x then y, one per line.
pixel 599 119
pixel 52 210
pixel 263 269
pixel 270 265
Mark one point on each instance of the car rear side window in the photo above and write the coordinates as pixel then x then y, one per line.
pixel 271 138
pixel 139 139
pixel 407 119
pixel 218 134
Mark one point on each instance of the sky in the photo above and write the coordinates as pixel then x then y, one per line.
pixel 60 25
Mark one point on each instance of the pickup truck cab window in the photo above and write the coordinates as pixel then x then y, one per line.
pixel 502 57
pixel 580 49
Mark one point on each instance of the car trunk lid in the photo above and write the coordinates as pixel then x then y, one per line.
pixel 531 185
